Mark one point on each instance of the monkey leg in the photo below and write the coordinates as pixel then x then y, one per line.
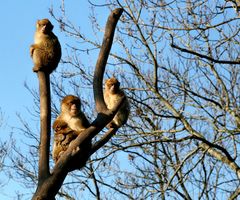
pixel 59 137
pixel 39 59
pixel 57 149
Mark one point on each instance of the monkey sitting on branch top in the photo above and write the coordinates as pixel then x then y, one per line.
pixel 68 125
pixel 46 50
pixel 112 95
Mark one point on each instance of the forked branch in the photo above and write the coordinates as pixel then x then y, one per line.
pixel 49 184
pixel 102 59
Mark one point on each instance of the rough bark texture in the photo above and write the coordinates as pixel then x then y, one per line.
pixel 50 183
pixel 45 117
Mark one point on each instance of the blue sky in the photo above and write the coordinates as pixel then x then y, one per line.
pixel 19 18
pixel 15 38
pixel 16 35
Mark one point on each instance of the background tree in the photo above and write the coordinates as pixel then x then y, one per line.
pixel 179 64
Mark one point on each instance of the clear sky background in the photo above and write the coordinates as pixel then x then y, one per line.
pixel 18 18
pixel 16 35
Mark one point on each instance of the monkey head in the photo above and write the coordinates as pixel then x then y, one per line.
pixel 44 26
pixel 112 85
pixel 71 104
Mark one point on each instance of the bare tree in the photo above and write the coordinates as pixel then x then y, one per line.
pixel 50 183
pixel 179 64
pixel 186 105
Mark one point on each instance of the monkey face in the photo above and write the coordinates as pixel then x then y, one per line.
pixel 44 26
pixel 71 104
pixel 74 109
pixel 112 85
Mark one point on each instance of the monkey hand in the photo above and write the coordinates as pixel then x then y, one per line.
pixel 59 137
pixel 69 138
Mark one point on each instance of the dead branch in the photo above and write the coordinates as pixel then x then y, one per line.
pixel 202 55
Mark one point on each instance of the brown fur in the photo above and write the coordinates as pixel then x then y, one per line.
pixel 112 95
pixel 68 125
pixel 46 50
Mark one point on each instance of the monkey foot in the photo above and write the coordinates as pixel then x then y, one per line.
pixel 112 125
pixel 36 69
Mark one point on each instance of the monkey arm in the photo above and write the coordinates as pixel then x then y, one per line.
pixel 69 138
pixel 63 139
pixel 32 47
pixel 63 132
pixel 59 137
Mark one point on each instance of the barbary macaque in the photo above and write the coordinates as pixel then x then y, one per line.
pixel 112 95
pixel 68 125
pixel 46 50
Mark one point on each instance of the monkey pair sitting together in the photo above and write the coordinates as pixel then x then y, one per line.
pixel 46 54
pixel 68 125
pixel 72 121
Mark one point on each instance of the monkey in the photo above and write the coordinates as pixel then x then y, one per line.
pixel 112 95
pixel 68 125
pixel 62 138
pixel 46 50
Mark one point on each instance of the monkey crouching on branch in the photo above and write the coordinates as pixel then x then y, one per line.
pixel 112 95
pixel 46 50
pixel 68 125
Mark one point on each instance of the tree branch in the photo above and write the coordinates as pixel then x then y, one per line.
pixel 107 136
pixel 235 194
pixel 50 184
pixel 203 56
pixel 45 117
pixel 102 59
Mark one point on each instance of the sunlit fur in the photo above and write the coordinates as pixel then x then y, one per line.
pixel 46 50
pixel 68 125
pixel 112 95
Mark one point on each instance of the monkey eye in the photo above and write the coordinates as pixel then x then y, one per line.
pixel 74 102
pixel 77 104
pixel 69 103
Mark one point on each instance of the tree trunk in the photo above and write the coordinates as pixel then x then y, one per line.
pixel 49 184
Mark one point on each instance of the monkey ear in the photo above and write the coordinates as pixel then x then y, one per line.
pixel 50 26
pixel 117 82
pixel 37 23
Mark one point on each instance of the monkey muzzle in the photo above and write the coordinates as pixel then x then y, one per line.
pixel 74 111
pixel 43 29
